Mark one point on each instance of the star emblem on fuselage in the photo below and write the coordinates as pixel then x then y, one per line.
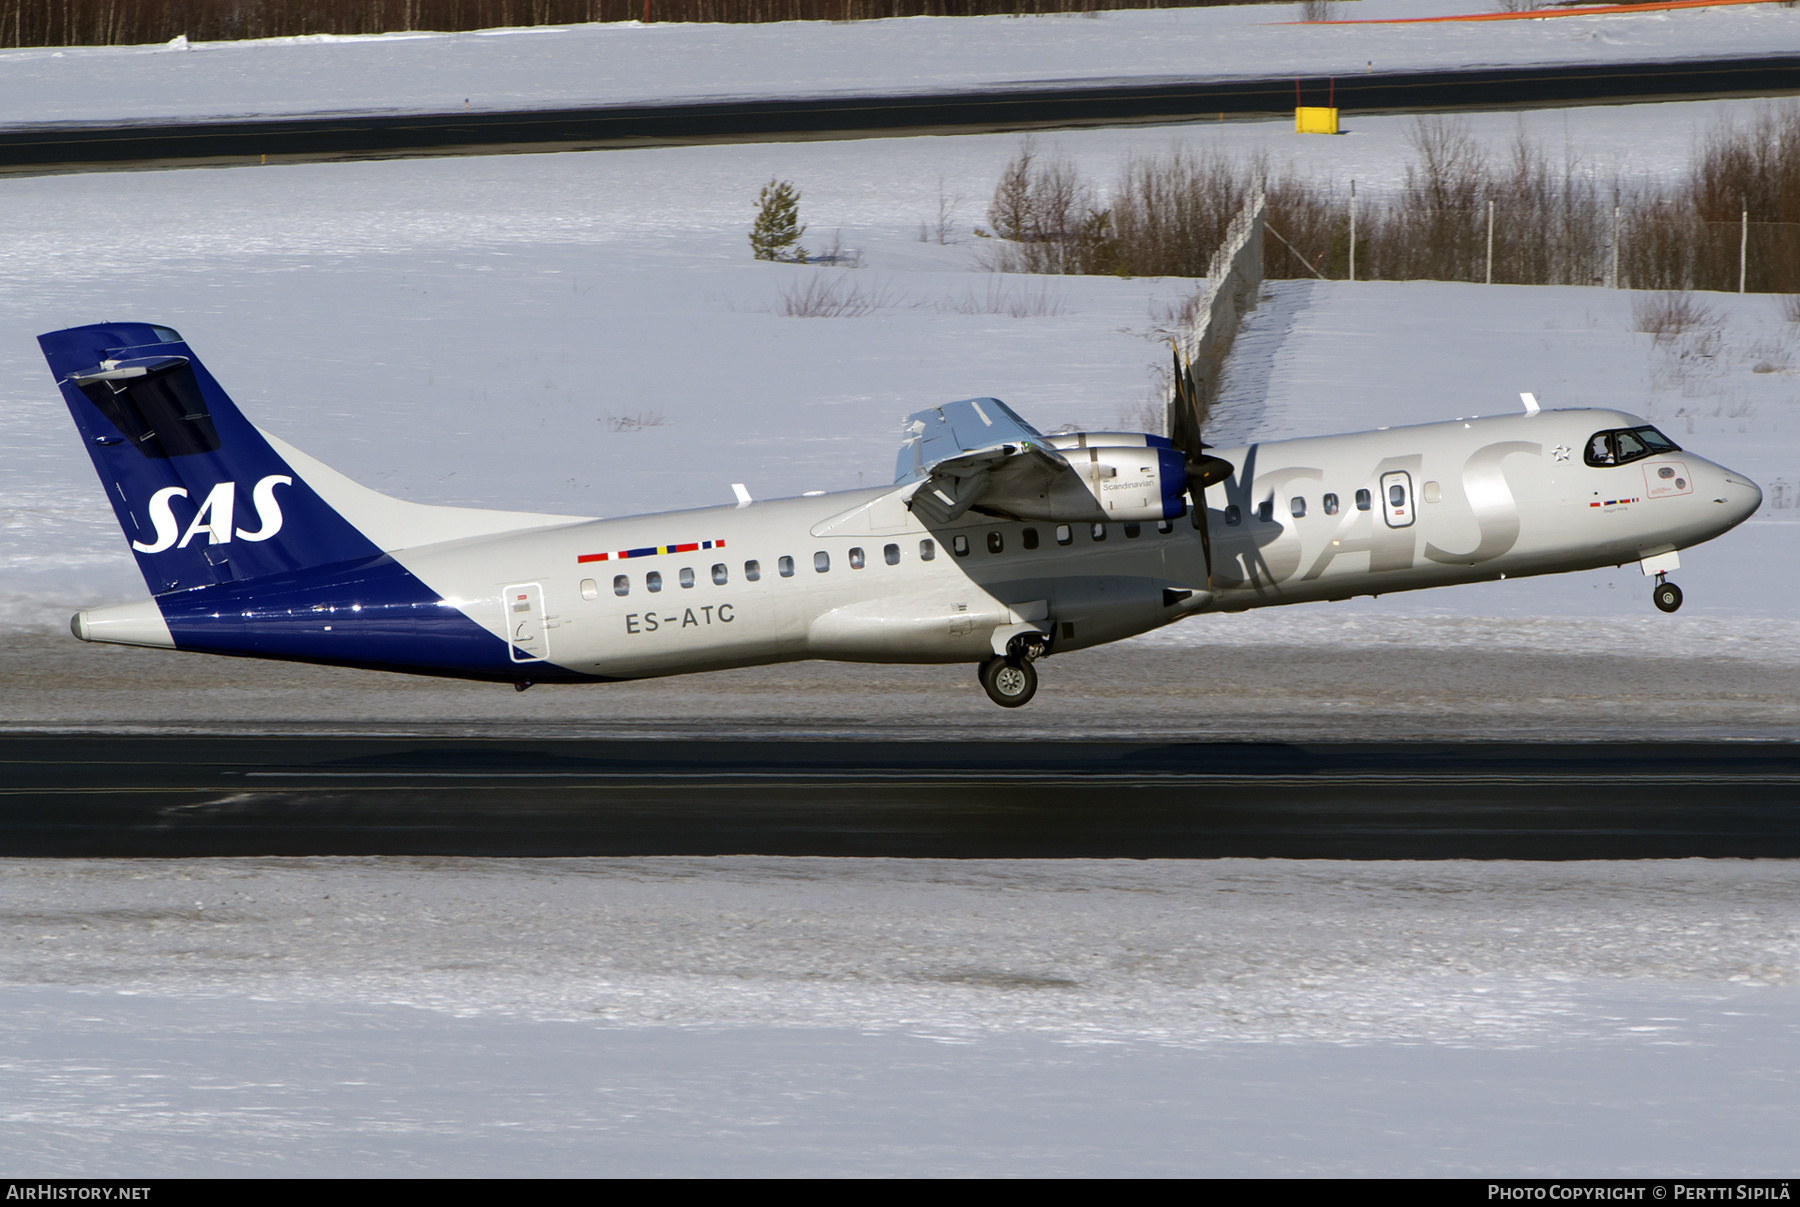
pixel 1560 452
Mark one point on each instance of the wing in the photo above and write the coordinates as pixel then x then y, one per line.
pixel 978 455
pixel 976 452
pixel 957 428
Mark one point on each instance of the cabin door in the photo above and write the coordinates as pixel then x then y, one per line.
pixel 1397 499
pixel 524 604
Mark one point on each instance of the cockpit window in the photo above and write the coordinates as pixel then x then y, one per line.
pixel 1627 444
pixel 1630 447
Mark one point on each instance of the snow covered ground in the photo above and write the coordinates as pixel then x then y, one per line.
pixel 591 64
pixel 771 1016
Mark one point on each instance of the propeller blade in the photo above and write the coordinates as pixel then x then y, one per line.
pixel 1199 496
pixel 1202 471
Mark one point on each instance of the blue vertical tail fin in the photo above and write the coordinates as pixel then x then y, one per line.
pixel 201 495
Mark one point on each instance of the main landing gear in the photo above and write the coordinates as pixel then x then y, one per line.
pixel 1010 682
pixel 1667 595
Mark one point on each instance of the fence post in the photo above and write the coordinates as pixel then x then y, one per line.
pixel 1353 230
pixel 1490 258
pixel 1743 245
pixel 1612 272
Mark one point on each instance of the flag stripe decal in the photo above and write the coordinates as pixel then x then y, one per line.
pixel 651 551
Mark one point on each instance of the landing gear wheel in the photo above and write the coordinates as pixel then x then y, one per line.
pixel 1667 596
pixel 1010 682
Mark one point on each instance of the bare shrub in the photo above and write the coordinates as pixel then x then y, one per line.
pixel 1014 301
pixel 1667 315
pixel 1553 217
pixel 1169 212
pixel 1753 169
pixel 1047 216
pixel 942 229
pixel 1790 307
pixel 1315 10
pixel 819 295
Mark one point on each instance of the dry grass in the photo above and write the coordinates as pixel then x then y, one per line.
pixel 1667 315
pixel 1011 300
pixel 634 422
pixel 819 294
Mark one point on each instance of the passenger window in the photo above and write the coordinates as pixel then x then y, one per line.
pixel 1165 526
pixel 1396 495
pixel 995 544
pixel 590 589
pixel 720 578
pixel 687 576
pixel 1029 538
pixel 927 550
pixel 785 567
pixel 821 562
pixel 1265 510
pixel 856 559
pixel 1132 531
pixel 752 571
pixel 1063 535
pixel 621 585
pixel 1297 505
pixel 959 545
pixel 1331 504
pixel 653 581
pixel 1233 516
pixel 891 554
pixel 1097 531
pixel 1362 500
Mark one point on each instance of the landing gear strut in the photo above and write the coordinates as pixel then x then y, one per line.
pixel 1010 682
pixel 1667 595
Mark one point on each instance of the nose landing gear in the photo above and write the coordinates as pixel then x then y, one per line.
pixel 1667 595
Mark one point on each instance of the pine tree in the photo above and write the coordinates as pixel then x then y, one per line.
pixel 776 235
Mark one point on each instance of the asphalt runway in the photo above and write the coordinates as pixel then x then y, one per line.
pixel 72 147
pixel 186 795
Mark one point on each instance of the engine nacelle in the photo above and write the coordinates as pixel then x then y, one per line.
pixel 1133 484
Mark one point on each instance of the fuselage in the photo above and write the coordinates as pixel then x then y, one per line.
pixel 857 576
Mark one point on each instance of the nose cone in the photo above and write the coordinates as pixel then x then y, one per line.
pixel 1738 497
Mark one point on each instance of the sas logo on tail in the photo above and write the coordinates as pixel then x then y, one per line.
pixel 215 516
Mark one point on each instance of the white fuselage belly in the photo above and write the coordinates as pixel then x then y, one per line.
pixel 1485 498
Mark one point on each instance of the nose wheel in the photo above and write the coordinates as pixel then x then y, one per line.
pixel 1667 595
pixel 1010 682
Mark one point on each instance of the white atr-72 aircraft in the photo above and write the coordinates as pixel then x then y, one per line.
pixel 996 545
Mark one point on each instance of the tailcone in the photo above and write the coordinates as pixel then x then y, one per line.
pixel 138 623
